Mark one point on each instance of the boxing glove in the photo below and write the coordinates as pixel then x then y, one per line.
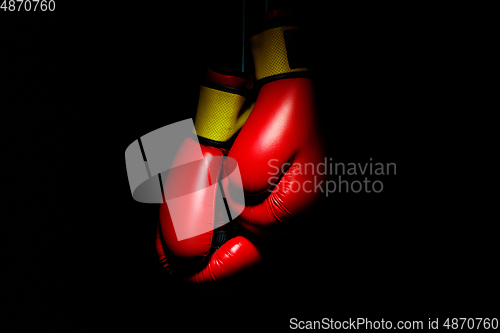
pixel 191 240
pixel 278 148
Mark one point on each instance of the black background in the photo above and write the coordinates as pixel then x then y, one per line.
pixel 83 82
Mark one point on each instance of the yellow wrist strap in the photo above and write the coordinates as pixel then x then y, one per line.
pixel 220 114
pixel 274 50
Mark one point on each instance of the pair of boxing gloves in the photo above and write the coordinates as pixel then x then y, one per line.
pixel 271 138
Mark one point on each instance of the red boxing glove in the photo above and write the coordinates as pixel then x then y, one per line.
pixel 278 148
pixel 277 151
pixel 197 246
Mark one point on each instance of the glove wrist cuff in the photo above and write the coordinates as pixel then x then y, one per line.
pixel 226 77
pixel 279 50
pixel 222 107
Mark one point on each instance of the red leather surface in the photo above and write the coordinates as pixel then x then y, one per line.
pixel 226 80
pixel 234 256
pixel 281 129
pixel 196 182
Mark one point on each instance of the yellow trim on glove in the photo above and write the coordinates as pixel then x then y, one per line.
pixel 218 115
pixel 270 54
